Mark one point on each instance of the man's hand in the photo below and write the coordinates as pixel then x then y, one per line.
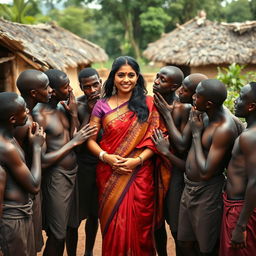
pixel 163 107
pixel 92 99
pixel 238 238
pixel 196 121
pixel 71 105
pixel 84 133
pixel 36 134
pixel 162 143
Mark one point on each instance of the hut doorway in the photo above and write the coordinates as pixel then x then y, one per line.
pixel 6 65
pixel 5 75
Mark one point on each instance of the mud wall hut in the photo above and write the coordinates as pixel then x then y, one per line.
pixel 42 47
pixel 201 45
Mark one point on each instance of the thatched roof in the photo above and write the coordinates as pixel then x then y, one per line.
pixel 48 45
pixel 203 42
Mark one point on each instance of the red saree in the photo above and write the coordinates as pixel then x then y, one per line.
pixel 127 201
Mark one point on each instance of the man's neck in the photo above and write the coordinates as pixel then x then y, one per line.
pixel 7 131
pixel 53 103
pixel 170 97
pixel 29 102
pixel 216 114
pixel 251 120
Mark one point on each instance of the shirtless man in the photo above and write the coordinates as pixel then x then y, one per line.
pixel 213 139
pixel 34 87
pixel 16 230
pixel 238 229
pixel 90 84
pixel 167 81
pixel 58 158
pixel 181 140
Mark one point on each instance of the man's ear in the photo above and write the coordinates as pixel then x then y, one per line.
pixel 33 93
pixel 53 92
pixel 209 104
pixel 12 119
pixel 252 106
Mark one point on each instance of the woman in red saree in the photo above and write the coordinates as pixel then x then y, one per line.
pixel 125 173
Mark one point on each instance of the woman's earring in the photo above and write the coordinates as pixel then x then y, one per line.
pixel 114 90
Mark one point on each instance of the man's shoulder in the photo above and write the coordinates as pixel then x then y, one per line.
pixel 6 147
pixel 181 107
pixel 248 135
pixel 81 99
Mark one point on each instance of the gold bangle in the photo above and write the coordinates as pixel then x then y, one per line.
pixel 141 160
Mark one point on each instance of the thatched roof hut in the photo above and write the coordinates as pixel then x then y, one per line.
pixel 46 46
pixel 202 45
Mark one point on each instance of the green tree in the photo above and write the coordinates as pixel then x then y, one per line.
pixel 238 11
pixel 153 23
pixel 128 12
pixel 74 19
pixel 184 10
pixel 18 11
pixel 252 4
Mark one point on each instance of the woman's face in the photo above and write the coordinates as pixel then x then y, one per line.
pixel 125 79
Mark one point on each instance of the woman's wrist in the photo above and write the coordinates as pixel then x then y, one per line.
pixel 101 155
pixel 141 160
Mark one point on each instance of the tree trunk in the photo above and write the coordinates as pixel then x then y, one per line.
pixel 130 35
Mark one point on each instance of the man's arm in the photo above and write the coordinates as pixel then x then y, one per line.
pixel 70 108
pixel 2 188
pixel 50 158
pixel 163 146
pixel 221 141
pixel 180 138
pixel 28 179
pixel 247 142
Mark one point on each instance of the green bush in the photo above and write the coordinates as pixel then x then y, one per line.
pixel 233 78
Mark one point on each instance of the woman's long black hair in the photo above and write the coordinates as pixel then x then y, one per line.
pixel 137 102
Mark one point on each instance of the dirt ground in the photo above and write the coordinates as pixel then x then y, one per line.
pixel 97 247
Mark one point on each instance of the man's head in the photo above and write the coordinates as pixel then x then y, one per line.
pixel 59 83
pixel 89 81
pixel 188 87
pixel 13 109
pixel 34 84
pixel 210 93
pixel 245 104
pixel 168 80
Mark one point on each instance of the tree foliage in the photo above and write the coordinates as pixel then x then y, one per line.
pixel 234 78
pixel 18 11
pixel 125 26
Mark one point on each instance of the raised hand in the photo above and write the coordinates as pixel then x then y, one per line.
pixel 36 134
pixel 71 105
pixel 162 143
pixel 163 107
pixel 196 121
pixel 84 133
pixel 92 99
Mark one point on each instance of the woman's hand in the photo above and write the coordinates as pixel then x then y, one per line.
pixel 111 159
pixel 116 162
pixel 126 165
